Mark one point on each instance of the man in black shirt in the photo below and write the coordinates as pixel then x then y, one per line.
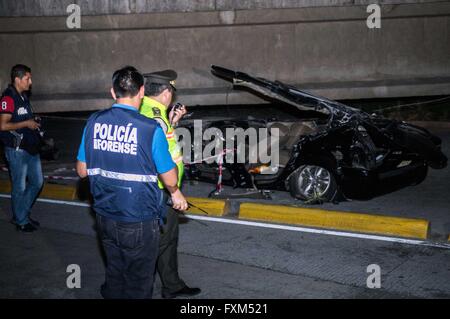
pixel 21 138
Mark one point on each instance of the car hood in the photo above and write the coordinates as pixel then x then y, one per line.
pixel 279 91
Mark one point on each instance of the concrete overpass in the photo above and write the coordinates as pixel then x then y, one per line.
pixel 322 46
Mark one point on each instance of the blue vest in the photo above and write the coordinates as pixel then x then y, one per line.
pixel 122 174
pixel 31 139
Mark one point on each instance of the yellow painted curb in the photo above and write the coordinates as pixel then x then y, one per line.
pixel 53 191
pixel 59 192
pixel 352 222
pixel 347 221
pixel 213 207
pixel 5 186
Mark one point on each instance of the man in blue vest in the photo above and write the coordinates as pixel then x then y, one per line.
pixel 21 139
pixel 124 153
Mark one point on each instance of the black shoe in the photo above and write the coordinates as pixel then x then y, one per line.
pixel 27 228
pixel 183 292
pixel 34 222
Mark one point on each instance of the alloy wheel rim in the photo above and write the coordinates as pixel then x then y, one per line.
pixel 314 181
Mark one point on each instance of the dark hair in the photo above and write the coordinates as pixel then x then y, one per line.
pixel 127 82
pixel 19 71
pixel 155 89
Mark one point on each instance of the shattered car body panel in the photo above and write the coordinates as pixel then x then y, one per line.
pixel 345 146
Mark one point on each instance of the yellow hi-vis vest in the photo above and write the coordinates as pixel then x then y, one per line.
pixel 157 111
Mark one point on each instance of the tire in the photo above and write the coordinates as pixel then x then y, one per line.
pixel 313 184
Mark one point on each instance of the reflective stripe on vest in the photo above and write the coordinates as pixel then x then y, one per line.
pixel 123 176
pixel 170 134
pixel 177 159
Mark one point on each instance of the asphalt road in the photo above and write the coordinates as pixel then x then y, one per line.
pixel 225 260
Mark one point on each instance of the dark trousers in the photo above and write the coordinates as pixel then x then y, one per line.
pixel 167 264
pixel 131 251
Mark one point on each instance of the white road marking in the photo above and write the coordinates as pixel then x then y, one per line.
pixel 54 201
pixel 276 226
pixel 322 231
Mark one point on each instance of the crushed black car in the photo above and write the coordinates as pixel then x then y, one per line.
pixel 328 151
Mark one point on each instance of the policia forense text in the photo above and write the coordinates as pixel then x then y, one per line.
pixel 124 153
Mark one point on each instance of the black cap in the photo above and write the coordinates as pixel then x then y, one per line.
pixel 167 77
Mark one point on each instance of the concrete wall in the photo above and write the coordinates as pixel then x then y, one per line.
pixel 37 8
pixel 325 49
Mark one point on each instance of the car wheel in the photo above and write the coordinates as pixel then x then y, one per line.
pixel 313 184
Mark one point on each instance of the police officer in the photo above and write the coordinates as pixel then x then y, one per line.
pixel 21 138
pixel 123 153
pixel 159 90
